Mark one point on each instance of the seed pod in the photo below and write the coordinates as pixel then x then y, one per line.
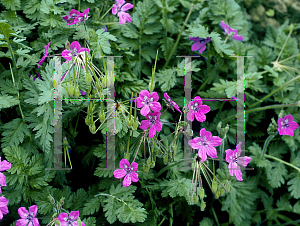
pixel 202 206
pixel 67 45
pixel 87 121
pixel 217 194
pixel 152 164
pixel 88 77
pixel 92 128
pixel 191 199
pixel 127 156
pixel 190 193
pixel 159 152
pixel 201 193
pixel 101 116
pixel 135 123
pixel 165 159
pixel 222 191
pixel 129 122
pixel 61 201
pixel 76 92
pixel 170 154
pixel 52 200
pixel 214 186
pixel 70 91
pixel 195 199
pixel 146 168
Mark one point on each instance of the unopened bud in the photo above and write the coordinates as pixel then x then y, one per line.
pixel 87 121
pixel 201 193
pixel 299 100
pixel 219 127
pixel 79 222
pixel 65 142
pixel 57 222
pixel 226 128
pixel 152 164
pixel 54 209
pixel 182 124
pixel 70 91
pixel 191 199
pixel 101 116
pixel 129 122
pixel 92 128
pixel 281 114
pixel 67 45
pixel 222 191
pixel 217 194
pixel 165 159
pixel 127 156
pixel 195 199
pixel 52 200
pixel 202 206
pixel 190 193
pixel 61 201
pixel 88 77
pixel 135 123
pixel 214 186
pixel 291 27
pixel 146 168
pixel 76 92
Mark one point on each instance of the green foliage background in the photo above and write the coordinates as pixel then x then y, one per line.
pixel 269 194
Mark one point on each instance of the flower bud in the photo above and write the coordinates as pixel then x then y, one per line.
pixel 70 91
pixel 99 86
pixel 65 142
pixel 214 186
pixel 159 152
pixel 222 191
pixel 152 164
pixel 227 185
pixel 226 128
pixel 101 116
pixel 87 121
pixel 281 114
pixel 129 122
pixel 135 123
pixel 195 199
pixel 61 201
pixel 67 45
pixel 291 27
pixel 202 206
pixel 92 128
pixel 217 194
pixel 52 200
pixel 165 159
pixel 57 222
pixel 76 92
pixel 170 154
pixel 201 193
pixel 88 77
pixel 191 199
pixel 146 168
pixel 219 127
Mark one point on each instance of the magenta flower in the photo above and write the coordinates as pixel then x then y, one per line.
pixel 200 43
pixel 171 103
pixel 148 102
pixel 228 30
pixel 153 120
pixel 205 144
pixel 105 28
pixel 68 220
pixel 127 170
pixel 4 165
pixel 233 158
pixel 3 206
pixel 120 8
pixel 44 55
pixel 28 218
pixel 286 125
pixel 82 17
pixel 75 51
pixel 197 109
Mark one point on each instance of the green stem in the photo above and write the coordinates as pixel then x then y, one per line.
pixel 183 26
pixel 294 102
pixel 140 54
pixel 79 5
pixel 12 75
pixel 203 84
pixel 275 91
pixel 11 53
pixel 284 162
pixel 283 45
pixel 254 110
pixel 215 216
pixel 226 39
pixel 267 144
pixel 128 143
pixel 105 13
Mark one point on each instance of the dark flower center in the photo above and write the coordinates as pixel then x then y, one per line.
pixel 152 120
pixel 147 101
pixel 128 169
pixel 195 107
pixel 285 124
pixel 202 40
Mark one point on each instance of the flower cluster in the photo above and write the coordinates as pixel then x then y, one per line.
pixel 120 9
pixel 286 125
pixel 75 17
pixel 4 165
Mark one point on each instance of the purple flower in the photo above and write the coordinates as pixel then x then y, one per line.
pixel 286 125
pixel 205 144
pixel 28 218
pixel 148 102
pixel 68 220
pixel 82 93
pixel 197 109
pixel 3 206
pixel 105 28
pixel 171 103
pixel 200 43
pixel 127 170
pixel 153 120
pixel 120 8
pixel 4 165
pixel 45 55
pixel 82 17
pixel 228 30
pixel 233 158
pixel 75 50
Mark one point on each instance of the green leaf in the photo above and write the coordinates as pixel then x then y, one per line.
pixel 206 222
pixel 284 203
pixel 228 87
pixel 91 206
pixel 11 4
pixel 219 45
pixel 276 174
pixel 8 101
pixel 294 185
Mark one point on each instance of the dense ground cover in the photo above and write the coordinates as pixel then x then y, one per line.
pixel 242 169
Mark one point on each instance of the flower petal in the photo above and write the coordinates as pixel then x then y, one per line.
pixel 215 141
pixel 145 110
pixel 3 201
pixel 211 152
pixel 293 125
pixel 126 7
pixel 127 181
pixel 202 153
pixel 114 9
pixel 238 175
pixel 139 103
pixel 22 222
pixel 155 106
pixel 194 143
pixel 152 131
pixel 190 116
pixel 134 177
pixel 232 166
pixel 243 161
pixel 2 179
pixel 124 162
pixel 36 222
pixel 195 39
pixel 62 216
pixel 33 209
pixel 167 97
pixel 22 211
pixel 74 215
pixel 144 93
pixel 225 27
pixel 158 126
pixel 119 173
pixel 204 108
pixel 155 96
pixel 196 46
pixel 144 124
pixel 135 166
pixel 76 45
pixel 202 48
pixel 229 153
pixel 238 149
